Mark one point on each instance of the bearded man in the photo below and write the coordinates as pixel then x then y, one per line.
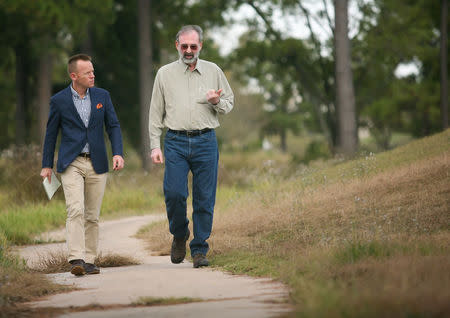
pixel 188 94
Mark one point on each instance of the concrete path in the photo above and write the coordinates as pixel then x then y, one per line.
pixel 224 295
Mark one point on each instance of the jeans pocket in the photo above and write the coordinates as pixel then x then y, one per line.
pixel 170 135
pixel 207 136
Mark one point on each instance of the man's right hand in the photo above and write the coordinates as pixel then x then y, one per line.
pixel 157 156
pixel 47 173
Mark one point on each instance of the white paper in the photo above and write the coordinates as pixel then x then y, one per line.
pixel 51 187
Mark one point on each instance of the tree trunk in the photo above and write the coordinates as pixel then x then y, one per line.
pixel 44 83
pixel 21 95
pixel 444 74
pixel 87 45
pixel 345 96
pixel 145 76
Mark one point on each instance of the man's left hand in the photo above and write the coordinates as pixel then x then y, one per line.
pixel 118 162
pixel 213 96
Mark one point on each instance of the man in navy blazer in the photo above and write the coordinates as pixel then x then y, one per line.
pixel 82 112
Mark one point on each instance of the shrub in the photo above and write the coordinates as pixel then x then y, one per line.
pixel 20 167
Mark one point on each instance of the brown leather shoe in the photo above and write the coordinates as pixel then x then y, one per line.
pixel 91 269
pixel 200 260
pixel 77 267
pixel 178 251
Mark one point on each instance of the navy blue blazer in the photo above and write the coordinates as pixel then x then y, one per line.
pixel 74 134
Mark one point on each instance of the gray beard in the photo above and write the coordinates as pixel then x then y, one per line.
pixel 188 61
pixel 191 60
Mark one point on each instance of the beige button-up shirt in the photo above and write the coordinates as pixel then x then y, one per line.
pixel 179 98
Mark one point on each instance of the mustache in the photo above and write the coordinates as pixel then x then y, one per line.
pixel 188 57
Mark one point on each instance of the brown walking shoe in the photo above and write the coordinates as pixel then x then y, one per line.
pixel 77 267
pixel 178 251
pixel 200 260
pixel 91 269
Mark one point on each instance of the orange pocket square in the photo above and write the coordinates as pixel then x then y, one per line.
pixel 99 105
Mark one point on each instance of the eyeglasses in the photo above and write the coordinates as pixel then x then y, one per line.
pixel 193 47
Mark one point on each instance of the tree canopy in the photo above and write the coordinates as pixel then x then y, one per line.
pixel 292 79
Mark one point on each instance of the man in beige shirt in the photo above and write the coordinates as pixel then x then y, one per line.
pixel 188 94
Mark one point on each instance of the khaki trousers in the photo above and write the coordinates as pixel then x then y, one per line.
pixel 83 190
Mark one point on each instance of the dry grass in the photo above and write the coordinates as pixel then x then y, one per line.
pixel 372 240
pixel 52 262
pixel 401 284
pixel 56 262
pixel 21 185
pixel 18 285
pixel 157 236
pixel 20 310
pixel 115 260
pixel 411 200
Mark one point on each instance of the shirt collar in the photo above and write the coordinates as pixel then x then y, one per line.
pixel 198 66
pixel 75 93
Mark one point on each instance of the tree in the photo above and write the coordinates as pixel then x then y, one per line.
pixel 388 101
pixel 345 96
pixel 286 74
pixel 21 92
pixel 319 92
pixel 44 83
pixel 444 64
pixel 145 76
pixel 35 31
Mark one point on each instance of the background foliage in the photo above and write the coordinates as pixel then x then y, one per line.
pixel 287 80
pixel 348 230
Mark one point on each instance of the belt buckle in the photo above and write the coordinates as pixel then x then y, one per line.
pixel 190 133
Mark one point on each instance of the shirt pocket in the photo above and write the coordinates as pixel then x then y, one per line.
pixel 201 94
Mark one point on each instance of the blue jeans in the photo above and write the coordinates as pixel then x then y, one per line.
pixel 200 155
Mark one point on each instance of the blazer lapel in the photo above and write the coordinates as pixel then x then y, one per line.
pixel 94 102
pixel 72 105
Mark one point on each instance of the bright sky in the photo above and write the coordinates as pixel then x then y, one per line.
pixel 295 26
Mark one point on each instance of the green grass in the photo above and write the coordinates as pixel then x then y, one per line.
pixel 19 224
pixel 243 262
pixel 8 261
pixel 353 252
pixel 366 237
pixel 25 212
pixel 130 201
pixel 147 228
pixel 159 301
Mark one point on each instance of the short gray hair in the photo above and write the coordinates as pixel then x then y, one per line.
pixel 188 28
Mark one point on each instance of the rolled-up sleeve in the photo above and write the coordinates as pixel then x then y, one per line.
pixel 226 103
